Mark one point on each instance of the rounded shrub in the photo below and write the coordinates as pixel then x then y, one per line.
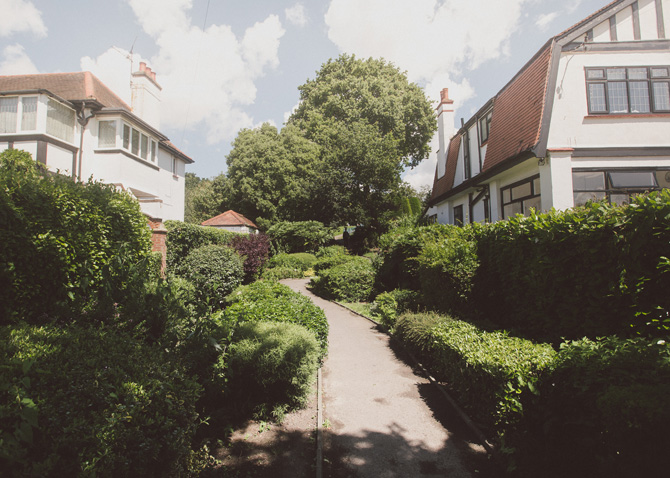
pixel 215 271
pixel 271 367
pixel 182 238
pixel 299 260
pixel 350 282
pixel 92 402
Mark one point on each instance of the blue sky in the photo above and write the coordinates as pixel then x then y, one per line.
pixel 231 64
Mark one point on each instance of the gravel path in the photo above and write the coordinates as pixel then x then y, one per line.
pixel 382 419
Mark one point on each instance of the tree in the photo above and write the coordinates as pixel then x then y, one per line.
pixel 205 198
pixel 370 123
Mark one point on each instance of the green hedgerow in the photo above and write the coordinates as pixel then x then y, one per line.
pixel 351 281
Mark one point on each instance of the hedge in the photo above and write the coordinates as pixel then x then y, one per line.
pixel 301 236
pixel 183 237
pixel 351 281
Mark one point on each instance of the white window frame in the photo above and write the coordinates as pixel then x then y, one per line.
pixel 138 143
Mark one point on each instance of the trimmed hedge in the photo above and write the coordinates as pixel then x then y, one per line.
pixel 489 372
pixel 183 237
pixel 272 301
pixel 351 281
pixel 389 305
pixel 92 402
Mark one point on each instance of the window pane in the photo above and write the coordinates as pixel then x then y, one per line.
pixel 618 97
pixel 153 151
pixel 135 142
pixel 126 136
pixel 639 97
pixel 619 199
pixel 106 134
pixel 632 179
pixel 659 72
pixel 616 73
pixel 144 147
pixel 512 209
pixel 637 73
pixel 8 108
pixel 597 98
pixel 583 198
pixel 536 186
pixel 663 179
pixel 507 196
pixel 535 203
pixel 661 95
pixel 595 74
pixel 60 121
pixel 588 181
pixel 521 191
pixel 29 113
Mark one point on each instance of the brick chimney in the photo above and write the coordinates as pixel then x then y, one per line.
pixel 445 128
pixel 145 100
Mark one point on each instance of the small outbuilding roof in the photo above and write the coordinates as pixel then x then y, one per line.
pixel 229 218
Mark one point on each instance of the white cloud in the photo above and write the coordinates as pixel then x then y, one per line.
pixel 296 15
pixel 543 21
pixel 16 62
pixel 20 16
pixel 208 76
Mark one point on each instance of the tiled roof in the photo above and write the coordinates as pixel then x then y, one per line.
pixel 78 86
pixel 517 114
pixel 446 182
pixel 229 218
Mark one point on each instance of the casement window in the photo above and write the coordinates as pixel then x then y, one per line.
pixel 139 144
pixel 485 127
pixel 628 90
pixel 458 215
pixel 616 186
pixel 107 134
pixel 520 197
pixel 60 120
pixel 9 114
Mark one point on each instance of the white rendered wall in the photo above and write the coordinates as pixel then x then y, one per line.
pixel 648 25
pixel 556 181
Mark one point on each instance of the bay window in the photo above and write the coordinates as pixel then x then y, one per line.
pixel 60 121
pixel 106 134
pixel 139 144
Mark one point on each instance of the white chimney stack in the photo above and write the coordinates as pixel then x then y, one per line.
pixel 145 100
pixel 445 129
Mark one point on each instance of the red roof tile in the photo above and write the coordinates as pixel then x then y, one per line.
pixel 446 182
pixel 229 218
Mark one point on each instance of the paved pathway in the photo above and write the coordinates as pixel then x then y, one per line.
pixel 385 421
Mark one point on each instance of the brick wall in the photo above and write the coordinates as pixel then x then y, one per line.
pixel 158 238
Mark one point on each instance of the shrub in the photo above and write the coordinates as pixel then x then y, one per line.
pixel 330 251
pixel 254 248
pixel 389 305
pixel 350 282
pixel 300 260
pixel 73 230
pixel 271 301
pixel 489 372
pixel 602 411
pixel 279 273
pixel 304 236
pixel 182 238
pixel 92 402
pixel 215 271
pixel 330 261
pixel 271 367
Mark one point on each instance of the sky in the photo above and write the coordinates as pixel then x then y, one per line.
pixel 225 65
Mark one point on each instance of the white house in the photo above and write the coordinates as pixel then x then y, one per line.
pixel 588 117
pixel 74 124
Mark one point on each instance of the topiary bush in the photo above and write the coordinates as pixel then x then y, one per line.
pixel 182 238
pixel 80 401
pixel 215 271
pixel 255 249
pixel 73 230
pixel 271 367
pixel 351 281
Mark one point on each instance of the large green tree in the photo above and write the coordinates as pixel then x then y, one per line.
pixel 205 198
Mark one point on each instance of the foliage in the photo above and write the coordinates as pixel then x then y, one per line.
pixel 302 236
pixel 272 366
pixel 335 256
pixel 254 248
pixel 282 272
pixel 272 174
pixel 79 401
pixel 205 198
pixel 330 251
pixel 350 282
pixel 489 372
pixel 602 412
pixel 271 301
pixel 182 238
pixel 215 271
pixel 299 260
pixel 49 222
pixel 389 305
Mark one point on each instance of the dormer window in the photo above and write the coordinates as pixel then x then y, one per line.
pixel 485 127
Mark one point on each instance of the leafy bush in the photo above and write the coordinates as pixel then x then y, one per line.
pixel 332 260
pixel 330 251
pixel 299 260
pixel 271 367
pixel 255 249
pixel 602 412
pixel 350 282
pixel 215 271
pixel 389 305
pixel 304 236
pixel 489 372
pixel 73 230
pixel 272 301
pixel 92 402
pixel 182 238
pixel 279 273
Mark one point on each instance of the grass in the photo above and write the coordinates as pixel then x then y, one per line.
pixel 363 308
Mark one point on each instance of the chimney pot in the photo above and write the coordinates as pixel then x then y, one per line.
pixel 143 66
pixel 444 96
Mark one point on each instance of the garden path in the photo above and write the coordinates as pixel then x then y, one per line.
pixel 382 418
